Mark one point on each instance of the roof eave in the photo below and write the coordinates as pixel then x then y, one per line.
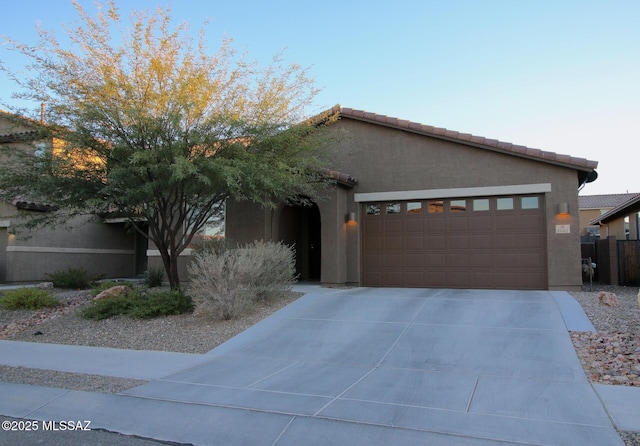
pixel 579 164
pixel 630 206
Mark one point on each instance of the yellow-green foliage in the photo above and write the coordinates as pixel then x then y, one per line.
pixel 27 299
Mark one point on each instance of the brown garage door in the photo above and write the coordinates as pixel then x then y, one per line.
pixel 492 242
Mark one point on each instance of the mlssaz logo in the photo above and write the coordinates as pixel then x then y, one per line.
pixel 66 425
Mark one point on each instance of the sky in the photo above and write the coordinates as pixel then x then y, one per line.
pixel 556 75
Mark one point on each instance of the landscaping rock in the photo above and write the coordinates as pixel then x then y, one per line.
pixel 608 299
pixel 113 292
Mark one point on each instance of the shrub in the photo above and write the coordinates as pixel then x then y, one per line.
pixel 153 277
pixel 209 244
pixel 27 299
pixel 72 278
pixel 161 303
pixel 134 304
pixel 275 269
pixel 226 283
pixel 108 284
pixel 106 308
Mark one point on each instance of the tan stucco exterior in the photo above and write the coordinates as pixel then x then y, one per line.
pixel 105 250
pixel 385 159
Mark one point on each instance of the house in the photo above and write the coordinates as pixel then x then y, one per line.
pixel 617 251
pixel 420 206
pixel 594 206
pixel 622 221
pixel 105 247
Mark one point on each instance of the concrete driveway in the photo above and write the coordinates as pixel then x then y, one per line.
pixel 366 367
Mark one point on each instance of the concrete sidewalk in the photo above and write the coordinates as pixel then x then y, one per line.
pixel 358 366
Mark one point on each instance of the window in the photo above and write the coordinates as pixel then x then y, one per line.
pixel 458 205
pixel 393 208
pixel 373 209
pixel 504 204
pixel 481 204
pixel 414 208
pixel 436 206
pixel 530 203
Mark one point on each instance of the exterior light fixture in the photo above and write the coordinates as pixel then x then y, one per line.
pixel 351 217
pixel 563 209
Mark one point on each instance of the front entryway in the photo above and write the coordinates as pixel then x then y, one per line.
pixel 300 226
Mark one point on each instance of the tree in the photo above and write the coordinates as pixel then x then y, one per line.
pixel 156 129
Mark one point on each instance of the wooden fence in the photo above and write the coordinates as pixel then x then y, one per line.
pixel 628 262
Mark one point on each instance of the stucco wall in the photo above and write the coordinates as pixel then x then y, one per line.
pixel 385 160
pixel 105 250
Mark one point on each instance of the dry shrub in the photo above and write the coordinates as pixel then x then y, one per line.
pixel 226 283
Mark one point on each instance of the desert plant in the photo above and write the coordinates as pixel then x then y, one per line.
pixel 140 306
pixel 226 283
pixel 209 244
pixel 72 278
pixel 160 303
pixel 27 299
pixel 275 269
pixel 106 308
pixel 153 277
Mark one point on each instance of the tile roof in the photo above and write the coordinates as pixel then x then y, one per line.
pixel 607 201
pixel 630 206
pixel 341 178
pixel 8 136
pixel 466 138
pixel 17 137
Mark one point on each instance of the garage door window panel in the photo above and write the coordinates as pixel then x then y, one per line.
pixel 458 206
pixel 414 208
pixel 505 204
pixel 529 203
pixel 435 206
pixel 393 208
pixel 481 204
pixel 373 209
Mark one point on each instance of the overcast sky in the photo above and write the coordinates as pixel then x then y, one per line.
pixel 557 75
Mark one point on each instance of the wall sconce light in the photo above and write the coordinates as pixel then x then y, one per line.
pixel 351 217
pixel 563 209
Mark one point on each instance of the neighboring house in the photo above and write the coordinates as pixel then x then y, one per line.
pixel 419 206
pixel 621 221
pixel 594 206
pixel 617 252
pixel 106 248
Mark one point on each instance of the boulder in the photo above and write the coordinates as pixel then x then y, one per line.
pixel 45 285
pixel 114 291
pixel 608 299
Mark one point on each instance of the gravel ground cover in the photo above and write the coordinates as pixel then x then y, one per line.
pixel 611 355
